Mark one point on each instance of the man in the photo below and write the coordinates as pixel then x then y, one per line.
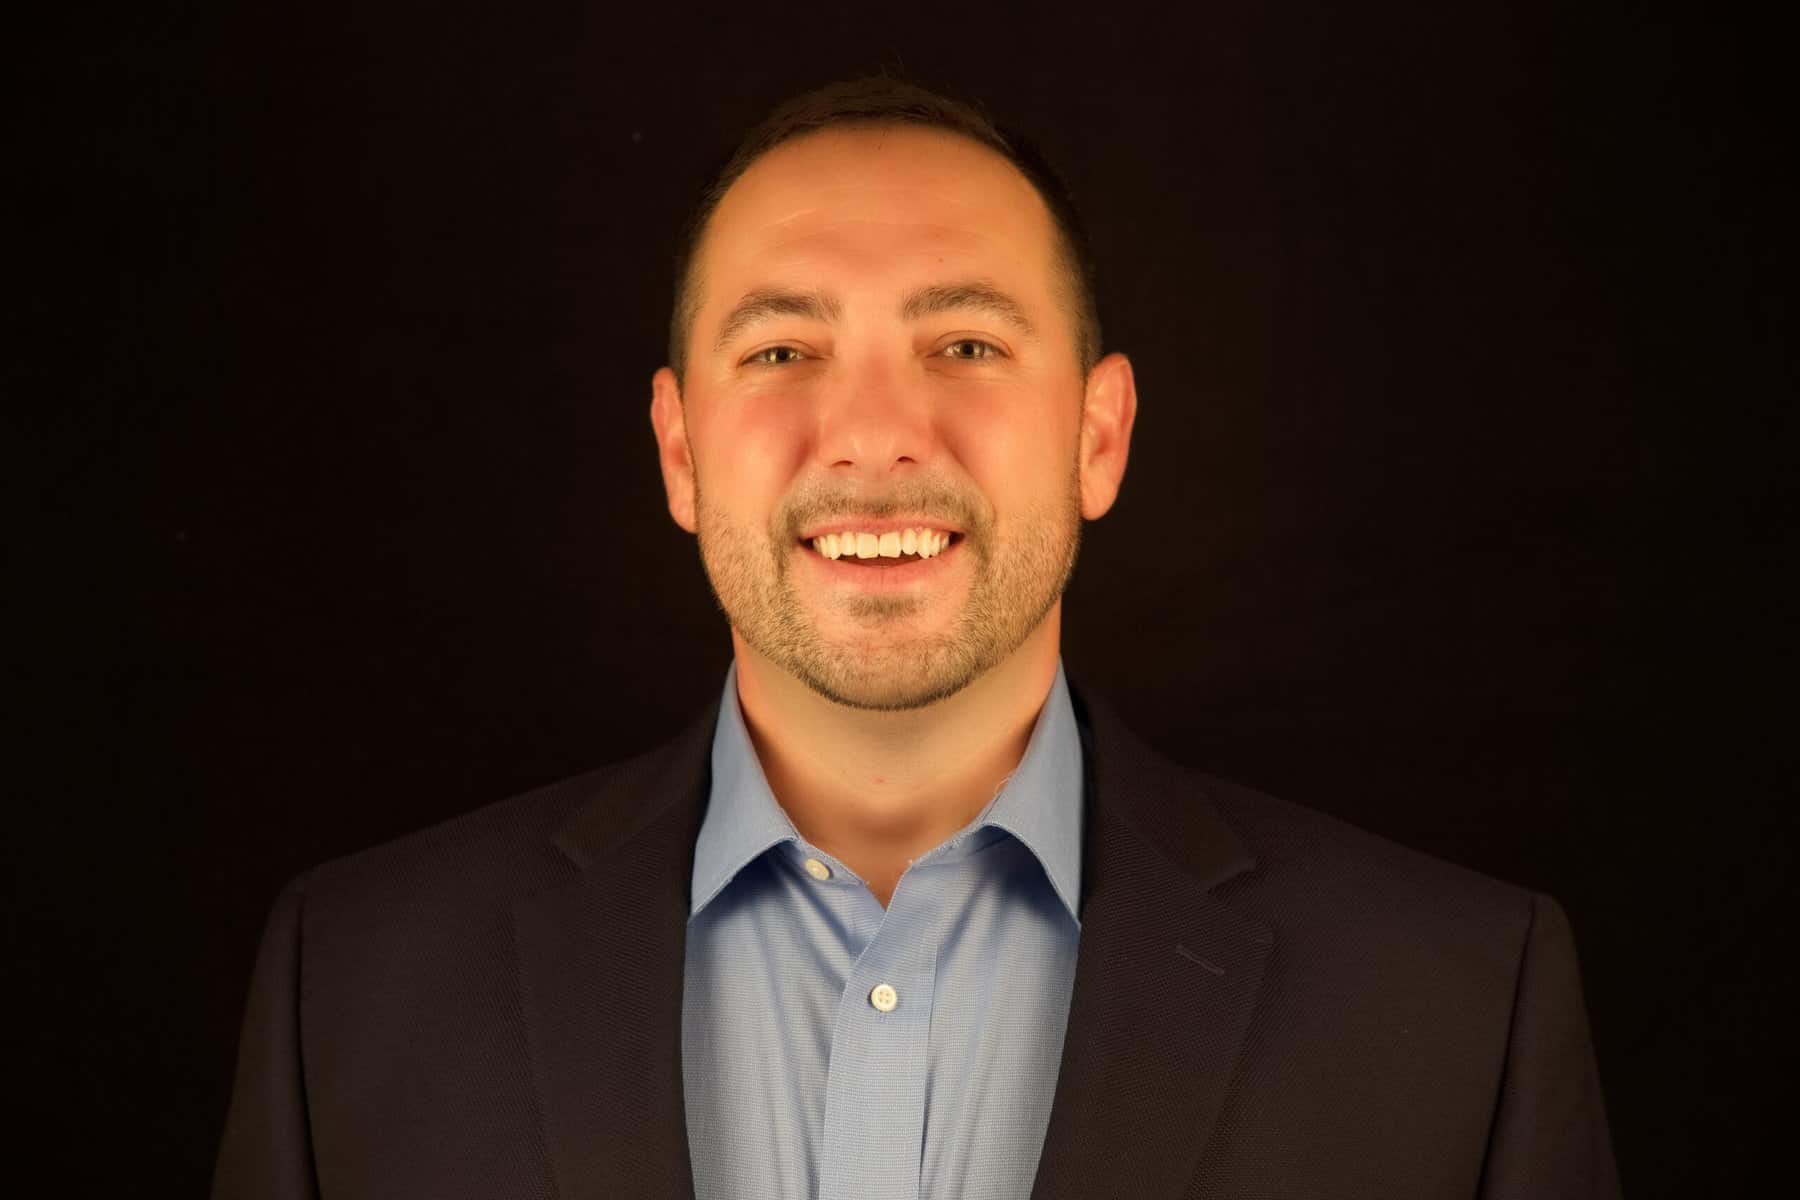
pixel 906 913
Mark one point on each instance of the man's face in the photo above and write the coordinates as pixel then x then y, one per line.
pixel 883 343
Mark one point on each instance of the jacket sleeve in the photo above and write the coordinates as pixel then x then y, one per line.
pixel 267 1148
pixel 1549 1138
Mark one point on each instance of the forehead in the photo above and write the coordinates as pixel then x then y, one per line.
pixel 903 202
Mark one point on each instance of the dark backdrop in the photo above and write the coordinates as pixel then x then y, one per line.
pixel 1458 503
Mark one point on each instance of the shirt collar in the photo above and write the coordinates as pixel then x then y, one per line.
pixel 1039 803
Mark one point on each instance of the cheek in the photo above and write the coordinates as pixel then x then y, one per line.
pixel 749 455
pixel 1016 453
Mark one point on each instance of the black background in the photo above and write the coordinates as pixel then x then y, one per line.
pixel 1458 504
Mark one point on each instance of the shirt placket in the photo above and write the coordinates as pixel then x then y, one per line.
pixel 875 1090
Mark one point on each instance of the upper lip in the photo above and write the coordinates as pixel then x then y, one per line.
pixel 874 526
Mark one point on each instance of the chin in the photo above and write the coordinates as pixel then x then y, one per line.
pixel 886 695
pixel 909 678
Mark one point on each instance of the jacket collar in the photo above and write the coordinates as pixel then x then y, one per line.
pixel 1166 975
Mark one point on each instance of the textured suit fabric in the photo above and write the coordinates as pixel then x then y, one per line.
pixel 1267 1003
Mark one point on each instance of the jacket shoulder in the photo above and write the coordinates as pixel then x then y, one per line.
pixel 1295 868
pixel 459 871
pixel 1320 875
pixel 464 875
pixel 483 860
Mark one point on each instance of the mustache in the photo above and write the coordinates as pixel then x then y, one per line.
pixel 939 501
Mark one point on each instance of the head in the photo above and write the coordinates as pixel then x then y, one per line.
pixel 878 103
pixel 884 320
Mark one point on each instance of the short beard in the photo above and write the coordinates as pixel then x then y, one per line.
pixel 1008 599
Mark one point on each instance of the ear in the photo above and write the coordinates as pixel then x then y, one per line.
pixel 669 419
pixel 1109 407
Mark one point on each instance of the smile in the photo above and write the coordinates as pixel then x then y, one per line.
pixel 892 568
pixel 899 544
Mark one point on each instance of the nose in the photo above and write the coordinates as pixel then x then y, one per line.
pixel 875 425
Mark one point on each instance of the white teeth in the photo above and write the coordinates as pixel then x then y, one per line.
pixel 926 543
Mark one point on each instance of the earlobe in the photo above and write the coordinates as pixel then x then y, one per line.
pixel 1109 410
pixel 669 419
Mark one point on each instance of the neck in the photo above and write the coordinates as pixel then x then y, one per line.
pixel 878 789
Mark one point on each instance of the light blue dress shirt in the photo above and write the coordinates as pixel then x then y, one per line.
pixel 835 1050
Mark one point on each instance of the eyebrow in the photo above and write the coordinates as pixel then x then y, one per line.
pixel 971 296
pixel 774 302
pixel 974 296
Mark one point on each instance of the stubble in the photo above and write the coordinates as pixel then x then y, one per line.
pixel 885 663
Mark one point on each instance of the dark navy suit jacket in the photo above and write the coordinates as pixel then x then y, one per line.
pixel 1268 1003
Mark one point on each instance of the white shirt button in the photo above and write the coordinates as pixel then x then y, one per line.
pixel 817 869
pixel 884 997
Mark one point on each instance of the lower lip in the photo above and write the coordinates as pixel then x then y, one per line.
pixel 890 575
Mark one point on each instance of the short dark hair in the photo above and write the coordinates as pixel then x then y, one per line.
pixel 878 101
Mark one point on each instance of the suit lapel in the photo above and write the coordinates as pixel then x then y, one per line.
pixel 601 959
pixel 1165 978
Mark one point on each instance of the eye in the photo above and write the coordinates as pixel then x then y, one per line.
pixel 972 350
pixel 774 356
